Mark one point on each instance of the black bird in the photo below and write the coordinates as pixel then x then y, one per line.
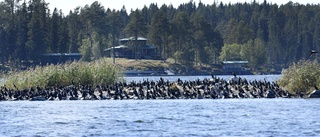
pixel 316 87
pixel 234 74
pixel 315 93
pixel 312 52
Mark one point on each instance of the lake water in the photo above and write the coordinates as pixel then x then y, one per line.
pixel 138 118
pixel 192 78
pixel 148 118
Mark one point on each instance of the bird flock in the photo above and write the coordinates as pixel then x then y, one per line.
pixel 208 88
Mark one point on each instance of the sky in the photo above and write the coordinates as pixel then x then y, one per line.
pixel 67 5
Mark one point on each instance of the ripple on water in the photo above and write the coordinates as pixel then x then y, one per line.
pixel 61 123
pixel 165 118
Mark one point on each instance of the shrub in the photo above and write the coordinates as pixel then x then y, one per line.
pixel 301 78
pixel 86 73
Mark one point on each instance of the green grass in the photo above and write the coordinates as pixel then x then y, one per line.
pixel 100 72
pixel 300 78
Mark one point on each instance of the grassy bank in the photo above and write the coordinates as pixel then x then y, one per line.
pixel 301 78
pixel 100 72
pixel 159 65
pixel 140 64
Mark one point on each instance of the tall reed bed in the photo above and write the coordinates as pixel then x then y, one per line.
pixel 300 78
pixel 86 73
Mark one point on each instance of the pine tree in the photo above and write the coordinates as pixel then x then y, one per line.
pixel 74 26
pixel 36 44
pixel 22 34
pixel 54 32
pixel 136 27
pixel 116 25
pixel 159 31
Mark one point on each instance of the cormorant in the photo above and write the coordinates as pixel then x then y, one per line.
pixel 312 52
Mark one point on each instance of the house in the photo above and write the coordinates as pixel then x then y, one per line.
pixel 141 41
pixel 235 66
pixel 121 51
pixel 129 48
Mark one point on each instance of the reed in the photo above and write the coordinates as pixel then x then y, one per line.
pixel 99 72
pixel 300 78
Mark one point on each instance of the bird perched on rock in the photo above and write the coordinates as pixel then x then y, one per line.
pixel 312 52
pixel 234 79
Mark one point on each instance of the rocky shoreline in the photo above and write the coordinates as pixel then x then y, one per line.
pixel 214 88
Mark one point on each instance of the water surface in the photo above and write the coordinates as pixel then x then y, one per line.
pixel 192 78
pixel 220 117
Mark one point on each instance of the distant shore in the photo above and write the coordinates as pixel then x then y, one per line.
pixel 173 73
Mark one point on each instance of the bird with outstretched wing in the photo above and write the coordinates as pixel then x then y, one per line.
pixel 312 52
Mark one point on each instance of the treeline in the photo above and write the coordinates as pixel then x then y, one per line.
pixel 267 35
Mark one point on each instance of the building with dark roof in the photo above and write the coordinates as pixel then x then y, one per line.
pixel 129 48
pixel 235 66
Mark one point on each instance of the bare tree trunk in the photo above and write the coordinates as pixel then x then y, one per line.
pixel 113 45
